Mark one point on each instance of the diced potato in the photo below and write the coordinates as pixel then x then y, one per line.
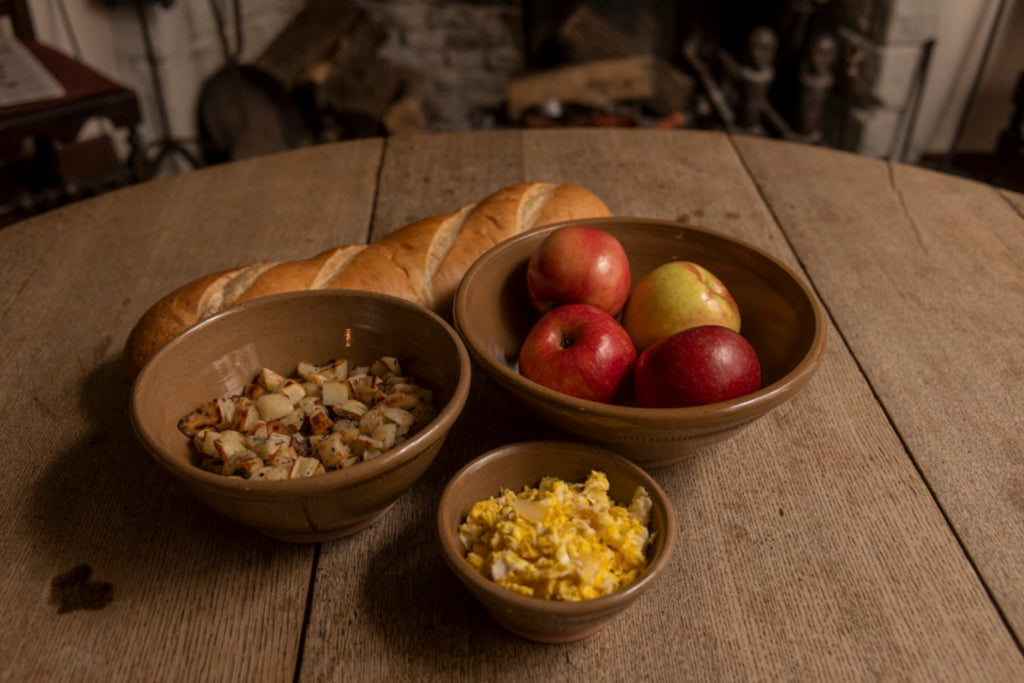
pixel 229 443
pixel 306 467
pixel 320 422
pixel 335 393
pixel 351 409
pixel 385 434
pixel 335 371
pixel 272 473
pixel 332 451
pixel 366 388
pixel 269 379
pixel 292 389
pixel 243 463
pixel 246 418
pixel 209 414
pixel 305 370
pixel 285 457
pixel 293 420
pixel 327 417
pixel 204 441
pixel 271 445
pixel 403 400
pixel 371 419
pixel 273 406
pixel 308 404
pixel 403 418
pixel 348 434
pixel 253 390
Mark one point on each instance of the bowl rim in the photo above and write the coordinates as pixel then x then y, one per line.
pixel 526 603
pixel 768 395
pixel 361 473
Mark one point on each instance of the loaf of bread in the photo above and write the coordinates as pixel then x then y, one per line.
pixel 421 262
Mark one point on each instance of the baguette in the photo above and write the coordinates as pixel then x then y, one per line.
pixel 422 262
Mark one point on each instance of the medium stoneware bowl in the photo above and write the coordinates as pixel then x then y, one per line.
pixel 219 356
pixel 781 318
pixel 524 464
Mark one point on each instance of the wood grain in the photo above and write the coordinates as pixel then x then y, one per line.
pixel 922 272
pixel 809 547
pixel 193 596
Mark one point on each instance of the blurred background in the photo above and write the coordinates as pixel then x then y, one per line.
pixel 929 82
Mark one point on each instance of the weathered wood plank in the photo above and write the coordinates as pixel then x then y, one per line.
pixel 193 596
pixel 809 546
pixel 923 273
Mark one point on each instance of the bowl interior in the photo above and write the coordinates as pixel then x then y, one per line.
pixel 220 355
pixel 524 464
pixel 779 315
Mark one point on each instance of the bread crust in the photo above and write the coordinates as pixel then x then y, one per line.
pixel 422 262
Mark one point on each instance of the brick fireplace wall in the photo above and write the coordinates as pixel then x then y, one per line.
pixel 467 49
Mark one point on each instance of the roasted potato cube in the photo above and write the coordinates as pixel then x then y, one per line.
pixel 366 388
pixel 229 443
pixel 335 393
pixel 272 473
pixel 385 434
pixel 253 390
pixel 332 451
pixel 305 370
pixel 320 422
pixel 269 379
pixel 292 389
pixel 334 371
pixel 243 463
pixel 306 467
pixel 247 417
pixel 351 409
pixel 215 413
pixel 273 406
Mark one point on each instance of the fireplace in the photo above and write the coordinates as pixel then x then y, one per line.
pixel 840 72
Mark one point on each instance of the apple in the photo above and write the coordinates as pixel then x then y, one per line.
pixel 579 350
pixel 579 264
pixel 700 365
pixel 676 296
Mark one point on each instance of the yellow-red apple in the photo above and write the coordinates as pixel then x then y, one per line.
pixel 676 296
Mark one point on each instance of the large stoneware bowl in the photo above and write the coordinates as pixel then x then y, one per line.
pixel 219 356
pixel 781 318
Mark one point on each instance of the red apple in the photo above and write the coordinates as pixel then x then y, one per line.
pixel 578 264
pixel 697 366
pixel 579 350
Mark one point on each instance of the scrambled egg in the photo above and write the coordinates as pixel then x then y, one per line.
pixel 560 541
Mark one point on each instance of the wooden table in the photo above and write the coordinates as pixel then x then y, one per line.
pixel 872 528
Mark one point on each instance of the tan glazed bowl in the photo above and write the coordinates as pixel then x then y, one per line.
pixel 219 356
pixel 524 464
pixel 780 317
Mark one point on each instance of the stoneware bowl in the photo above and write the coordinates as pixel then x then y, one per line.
pixel 781 318
pixel 524 464
pixel 219 356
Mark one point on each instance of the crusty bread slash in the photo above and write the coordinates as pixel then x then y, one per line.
pixel 421 262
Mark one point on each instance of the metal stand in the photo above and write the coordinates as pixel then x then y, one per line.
pixel 166 146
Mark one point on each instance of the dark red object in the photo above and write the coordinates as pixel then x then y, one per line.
pixel 698 366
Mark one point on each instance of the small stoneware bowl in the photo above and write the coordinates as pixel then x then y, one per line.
pixel 524 464
pixel 780 317
pixel 218 356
